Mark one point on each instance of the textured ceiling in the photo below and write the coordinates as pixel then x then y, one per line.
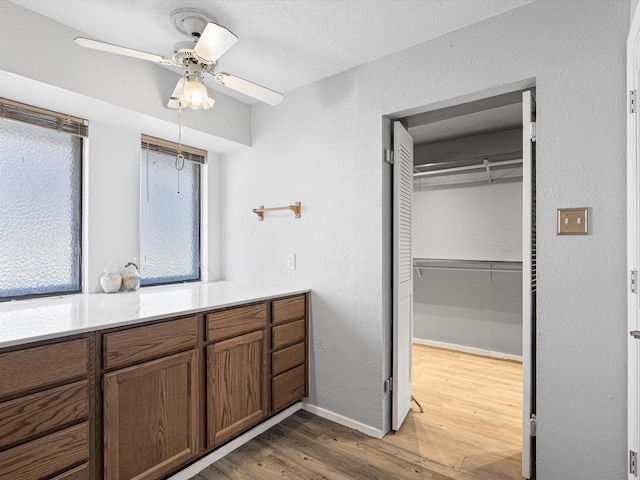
pixel 283 44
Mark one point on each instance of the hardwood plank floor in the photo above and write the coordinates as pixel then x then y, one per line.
pixel 470 430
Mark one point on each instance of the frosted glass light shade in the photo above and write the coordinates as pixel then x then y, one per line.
pixel 194 94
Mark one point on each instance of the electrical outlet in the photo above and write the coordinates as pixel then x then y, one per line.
pixel 572 221
pixel 291 261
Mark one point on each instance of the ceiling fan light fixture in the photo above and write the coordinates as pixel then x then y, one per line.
pixel 209 41
pixel 194 94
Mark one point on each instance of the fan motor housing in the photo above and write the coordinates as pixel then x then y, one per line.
pixel 183 53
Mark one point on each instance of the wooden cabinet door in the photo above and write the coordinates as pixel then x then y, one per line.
pixel 237 385
pixel 150 417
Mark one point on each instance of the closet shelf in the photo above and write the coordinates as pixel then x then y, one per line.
pixel 485 165
pixel 465 265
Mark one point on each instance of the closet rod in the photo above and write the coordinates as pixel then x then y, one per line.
pixel 468 167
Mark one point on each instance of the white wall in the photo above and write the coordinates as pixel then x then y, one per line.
pixel 469 309
pixel 322 146
pixel 468 222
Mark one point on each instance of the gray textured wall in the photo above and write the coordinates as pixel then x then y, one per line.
pixel 323 146
pixel 479 221
pixel 472 309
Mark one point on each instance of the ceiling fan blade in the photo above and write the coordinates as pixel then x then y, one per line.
pixel 249 88
pixel 129 52
pixel 174 101
pixel 214 41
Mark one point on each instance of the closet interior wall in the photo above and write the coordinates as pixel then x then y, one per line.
pixel 467 239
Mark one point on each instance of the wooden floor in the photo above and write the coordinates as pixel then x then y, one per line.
pixel 470 430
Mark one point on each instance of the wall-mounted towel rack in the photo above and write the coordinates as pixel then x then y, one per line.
pixel 465 265
pixel 295 208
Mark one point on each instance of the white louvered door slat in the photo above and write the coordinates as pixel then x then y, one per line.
pixel 402 274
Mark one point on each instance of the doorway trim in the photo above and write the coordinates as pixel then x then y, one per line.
pixel 633 242
pixel 387 121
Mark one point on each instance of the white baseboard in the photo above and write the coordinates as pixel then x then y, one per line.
pixel 213 457
pixel 463 348
pixel 345 421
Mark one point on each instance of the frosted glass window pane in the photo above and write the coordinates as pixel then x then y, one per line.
pixel 169 220
pixel 40 210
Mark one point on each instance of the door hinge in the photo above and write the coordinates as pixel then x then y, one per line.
pixel 634 281
pixel 532 131
pixel 633 463
pixel 388 156
pixel 632 107
pixel 388 385
pixel 533 425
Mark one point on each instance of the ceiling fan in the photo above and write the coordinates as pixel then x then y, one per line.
pixel 196 57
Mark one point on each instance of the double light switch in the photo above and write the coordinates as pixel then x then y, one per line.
pixel 572 221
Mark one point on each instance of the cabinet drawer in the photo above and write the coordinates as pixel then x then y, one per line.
pixel 288 387
pixel 287 334
pixel 288 309
pixel 35 414
pixel 141 343
pixel 236 321
pixel 41 366
pixel 47 455
pixel 287 358
pixel 78 473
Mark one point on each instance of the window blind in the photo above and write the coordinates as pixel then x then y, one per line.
pixel 20 112
pixel 170 148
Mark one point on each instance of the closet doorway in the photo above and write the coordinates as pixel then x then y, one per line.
pixel 472 232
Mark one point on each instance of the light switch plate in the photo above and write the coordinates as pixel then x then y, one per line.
pixel 291 261
pixel 573 221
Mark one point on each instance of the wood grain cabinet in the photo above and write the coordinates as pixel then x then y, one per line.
pixel 150 408
pixel 140 402
pixel 237 371
pixel 289 351
pixel 44 412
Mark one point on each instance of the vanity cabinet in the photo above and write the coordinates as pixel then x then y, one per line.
pixel 44 412
pixel 237 371
pixel 150 407
pixel 142 401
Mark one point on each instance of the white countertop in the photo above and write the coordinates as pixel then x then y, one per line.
pixel 24 321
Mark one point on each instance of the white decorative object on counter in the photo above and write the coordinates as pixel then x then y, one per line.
pixel 110 280
pixel 130 276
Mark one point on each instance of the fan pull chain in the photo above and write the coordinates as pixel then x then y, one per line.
pixel 147 172
pixel 179 163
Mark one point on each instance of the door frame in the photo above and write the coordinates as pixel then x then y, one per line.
pixel 633 241
pixel 528 84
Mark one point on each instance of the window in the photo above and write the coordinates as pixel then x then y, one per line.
pixel 40 201
pixel 169 213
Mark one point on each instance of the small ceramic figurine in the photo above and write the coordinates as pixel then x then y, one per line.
pixel 130 276
pixel 110 280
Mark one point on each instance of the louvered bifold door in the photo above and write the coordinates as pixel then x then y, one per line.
pixel 402 274
pixel 529 283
